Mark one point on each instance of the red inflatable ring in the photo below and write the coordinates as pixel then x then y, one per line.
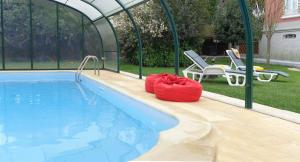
pixel 149 84
pixel 177 89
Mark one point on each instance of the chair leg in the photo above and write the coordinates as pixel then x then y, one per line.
pixel 237 77
pixel 194 74
pixel 269 79
pixel 275 77
pixel 200 77
pixel 185 73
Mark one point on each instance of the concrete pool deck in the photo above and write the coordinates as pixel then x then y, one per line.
pixel 209 130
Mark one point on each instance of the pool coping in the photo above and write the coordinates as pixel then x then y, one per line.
pixel 185 132
pixel 264 109
pixel 184 143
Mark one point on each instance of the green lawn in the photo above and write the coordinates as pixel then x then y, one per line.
pixel 282 93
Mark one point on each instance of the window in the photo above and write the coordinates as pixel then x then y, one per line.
pixel 289 36
pixel 291 7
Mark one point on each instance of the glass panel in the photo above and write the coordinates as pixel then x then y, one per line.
pixel 158 51
pixel 107 34
pixel 83 7
pixel 92 40
pixel 110 61
pixel 107 7
pixel 129 3
pixel 1 66
pixel 109 45
pixel 44 34
pixel 111 7
pixel 70 27
pixel 61 1
pixel 16 33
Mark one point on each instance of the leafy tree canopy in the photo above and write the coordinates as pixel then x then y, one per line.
pixel 228 24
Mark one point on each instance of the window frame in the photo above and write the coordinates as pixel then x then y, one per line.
pixel 294 11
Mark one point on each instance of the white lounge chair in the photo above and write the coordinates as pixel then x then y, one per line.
pixel 262 76
pixel 201 68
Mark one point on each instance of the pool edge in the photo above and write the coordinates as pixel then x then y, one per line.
pixel 176 135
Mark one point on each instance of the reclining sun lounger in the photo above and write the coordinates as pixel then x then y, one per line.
pixel 263 76
pixel 202 69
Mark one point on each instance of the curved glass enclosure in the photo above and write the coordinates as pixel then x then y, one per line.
pixel 58 34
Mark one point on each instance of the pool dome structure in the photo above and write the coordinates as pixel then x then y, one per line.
pixel 51 34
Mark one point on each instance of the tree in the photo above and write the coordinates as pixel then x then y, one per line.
pixel 258 16
pixel 192 18
pixel 273 12
pixel 229 27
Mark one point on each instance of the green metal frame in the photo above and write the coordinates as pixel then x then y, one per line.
pixel 82 37
pixel 138 36
pixel 2 37
pixel 57 37
pixel 31 35
pixel 249 57
pixel 172 25
pixel 114 32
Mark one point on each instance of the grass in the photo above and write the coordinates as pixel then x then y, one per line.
pixel 282 93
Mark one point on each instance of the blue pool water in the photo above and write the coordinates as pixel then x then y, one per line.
pixel 48 117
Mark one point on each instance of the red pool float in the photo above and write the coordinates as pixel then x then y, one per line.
pixel 149 84
pixel 177 89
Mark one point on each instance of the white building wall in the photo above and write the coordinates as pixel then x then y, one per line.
pixel 282 48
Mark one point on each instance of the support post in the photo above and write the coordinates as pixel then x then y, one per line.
pixel 57 37
pixel 249 56
pixel 172 25
pixel 138 36
pixel 82 37
pixel 2 36
pixel 31 35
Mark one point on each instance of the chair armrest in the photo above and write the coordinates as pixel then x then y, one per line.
pixel 242 68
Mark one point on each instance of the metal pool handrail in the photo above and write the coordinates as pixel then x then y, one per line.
pixel 83 64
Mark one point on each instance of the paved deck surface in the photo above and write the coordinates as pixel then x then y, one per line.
pixel 213 131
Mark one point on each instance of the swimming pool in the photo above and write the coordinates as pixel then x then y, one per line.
pixel 48 117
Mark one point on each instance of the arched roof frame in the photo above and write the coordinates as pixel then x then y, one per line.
pixel 99 9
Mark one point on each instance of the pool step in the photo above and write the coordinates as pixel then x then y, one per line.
pixel 185 145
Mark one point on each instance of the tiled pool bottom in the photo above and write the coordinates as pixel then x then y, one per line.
pixel 47 117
